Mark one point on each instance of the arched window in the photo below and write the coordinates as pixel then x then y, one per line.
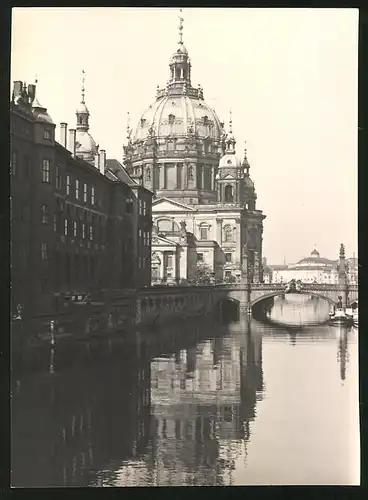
pixel 229 196
pixel 168 227
pixel 228 234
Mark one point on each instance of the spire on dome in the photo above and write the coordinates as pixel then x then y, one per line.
pixel 83 89
pixel 181 20
pixel 245 160
pixel 82 112
pixel 129 129
pixel 230 139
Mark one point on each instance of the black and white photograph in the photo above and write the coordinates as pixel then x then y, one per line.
pixel 184 256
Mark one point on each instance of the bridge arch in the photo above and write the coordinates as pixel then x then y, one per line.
pixel 228 309
pixel 269 295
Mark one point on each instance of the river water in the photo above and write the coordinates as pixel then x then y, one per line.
pixel 248 403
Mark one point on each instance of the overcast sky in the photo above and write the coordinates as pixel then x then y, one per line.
pixel 288 75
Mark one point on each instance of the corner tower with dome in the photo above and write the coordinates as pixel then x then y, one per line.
pixel 205 202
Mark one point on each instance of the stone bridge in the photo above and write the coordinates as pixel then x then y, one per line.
pixel 155 305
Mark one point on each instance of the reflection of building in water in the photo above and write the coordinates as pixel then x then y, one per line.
pixel 202 399
pixel 78 422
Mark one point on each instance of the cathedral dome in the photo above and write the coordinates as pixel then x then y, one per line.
pixel 85 143
pixel 179 115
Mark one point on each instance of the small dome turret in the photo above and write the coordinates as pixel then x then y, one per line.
pixel 40 112
pixel 86 147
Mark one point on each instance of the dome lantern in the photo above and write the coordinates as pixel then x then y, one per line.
pixel 180 65
pixel 82 112
pixel 86 147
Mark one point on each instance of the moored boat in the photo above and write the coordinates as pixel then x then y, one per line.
pixel 339 317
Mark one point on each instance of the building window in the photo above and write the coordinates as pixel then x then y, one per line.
pixel 44 251
pixel 93 196
pixel 144 208
pixel 25 213
pixel 55 222
pixel 66 227
pixel 77 189
pixel 199 257
pixel 45 214
pixel 83 230
pixel 91 233
pixel 228 257
pixel 68 184
pixel 228 274
pixel 47 134
pixel 27 167
pixel 129 206
pixel 228 234
pixel 46 171
pixel 85 193
pixel 14 162
pixel 229 196
pixel 74 228
pixel 204 232
pixel 58 177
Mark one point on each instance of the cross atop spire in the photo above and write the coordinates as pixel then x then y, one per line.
pixel 181 20
pixel 230 122
pixel 83 80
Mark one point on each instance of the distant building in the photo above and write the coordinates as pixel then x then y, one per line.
pixel 314 269
pixel 76 225
pixel 205 200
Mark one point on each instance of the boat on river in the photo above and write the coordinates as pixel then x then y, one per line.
pixel 339 317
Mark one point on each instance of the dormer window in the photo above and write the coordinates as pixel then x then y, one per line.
pixel 171 118
pixel 143 122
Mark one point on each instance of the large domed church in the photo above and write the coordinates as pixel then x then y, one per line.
pixel 205 201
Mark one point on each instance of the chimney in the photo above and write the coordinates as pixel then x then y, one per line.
pixel 63 134
pixel 71 145
pixel 97 161
pixel 102 161
pixel 18 88
pixel 31 92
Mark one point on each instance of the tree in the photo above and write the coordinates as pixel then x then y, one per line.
pixel 203 274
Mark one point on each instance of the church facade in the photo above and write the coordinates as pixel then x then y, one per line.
pixel 204 209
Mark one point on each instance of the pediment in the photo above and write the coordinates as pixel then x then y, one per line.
pixel 164 242
pixel 228 177
pixel 166 205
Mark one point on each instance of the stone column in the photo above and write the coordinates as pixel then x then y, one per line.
pixel 238 241
pixel 161 183
pixel 219 231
